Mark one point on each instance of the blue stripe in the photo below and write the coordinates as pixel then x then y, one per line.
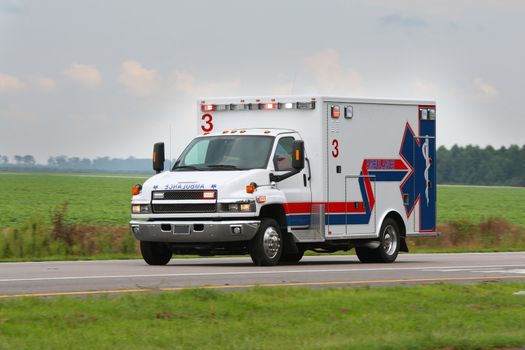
pixel 330 219
pixel 298 220
pixel 388 175
pixel 344 219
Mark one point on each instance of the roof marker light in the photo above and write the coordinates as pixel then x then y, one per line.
pixel 349 112
pixel 336 111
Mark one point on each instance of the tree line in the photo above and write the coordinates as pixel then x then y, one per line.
pixel 470 165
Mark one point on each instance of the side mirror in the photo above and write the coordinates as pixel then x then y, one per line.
pixel 298 155
pixel 158 157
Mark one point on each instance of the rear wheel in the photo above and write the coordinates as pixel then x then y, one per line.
pixel 388 248
pixel 266 247
pixel 155 253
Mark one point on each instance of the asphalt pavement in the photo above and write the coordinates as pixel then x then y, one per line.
pixel 128 276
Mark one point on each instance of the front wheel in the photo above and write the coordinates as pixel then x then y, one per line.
pixel 155 253
pixel 266 247
pixel 388 248
pixel 291 258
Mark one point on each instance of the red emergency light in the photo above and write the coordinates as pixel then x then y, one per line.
pixel 207 108
pixel 269 105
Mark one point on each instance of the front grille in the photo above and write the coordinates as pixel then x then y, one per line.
pixel 184 195
pixel 184 208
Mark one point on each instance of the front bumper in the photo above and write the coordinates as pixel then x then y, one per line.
pixel 194 231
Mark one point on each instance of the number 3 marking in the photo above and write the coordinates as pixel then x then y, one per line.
pixel 335 151
pixel 208 125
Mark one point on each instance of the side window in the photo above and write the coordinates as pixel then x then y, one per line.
pixel 283 154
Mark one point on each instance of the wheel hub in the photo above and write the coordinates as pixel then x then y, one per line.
pixel 271 242
pixel 390 240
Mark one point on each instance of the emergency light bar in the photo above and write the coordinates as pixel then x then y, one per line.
pixel 268 106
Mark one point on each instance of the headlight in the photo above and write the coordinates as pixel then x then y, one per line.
pixel 140 208
pixel 238 207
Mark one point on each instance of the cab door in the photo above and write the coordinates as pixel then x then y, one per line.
pixel 296 188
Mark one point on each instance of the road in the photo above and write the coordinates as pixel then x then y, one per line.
pixel 126 276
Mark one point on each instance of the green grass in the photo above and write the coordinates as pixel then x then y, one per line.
pixel 105 200
pixel 478 204
pixel 92 199
pixel 481 316
pixel 35 224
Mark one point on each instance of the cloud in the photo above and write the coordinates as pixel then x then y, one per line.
pixel 9 83
pixel 86 75
pixel 410 22
pixel 44 83
pixel 485 88
pixel 137 80
pixel 187 83
pixel 329 73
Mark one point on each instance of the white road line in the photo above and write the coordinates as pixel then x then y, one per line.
pixel 266 272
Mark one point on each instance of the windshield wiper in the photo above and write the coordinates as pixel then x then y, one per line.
pixel 224 166
pixel 190 167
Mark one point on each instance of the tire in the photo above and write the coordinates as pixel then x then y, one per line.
pixel 266 247
pixel 388 248
pixel 155 253
pixel 291 258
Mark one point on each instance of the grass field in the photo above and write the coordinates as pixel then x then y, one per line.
pixel 478 204
pixel 440 316
pixel 75 215
pixel 105 200
pixel 93 199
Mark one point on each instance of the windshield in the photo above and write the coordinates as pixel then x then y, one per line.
pixel 226 153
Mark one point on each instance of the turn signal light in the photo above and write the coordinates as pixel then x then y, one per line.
pixel 136 189
pixel 251 188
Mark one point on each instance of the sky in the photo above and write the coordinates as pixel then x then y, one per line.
pixel 108 78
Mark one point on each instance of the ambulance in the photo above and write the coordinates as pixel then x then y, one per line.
pixel 276 176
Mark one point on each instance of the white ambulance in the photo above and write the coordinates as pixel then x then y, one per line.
pixel 276 176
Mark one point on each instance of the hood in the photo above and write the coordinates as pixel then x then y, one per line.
pixel 229 184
